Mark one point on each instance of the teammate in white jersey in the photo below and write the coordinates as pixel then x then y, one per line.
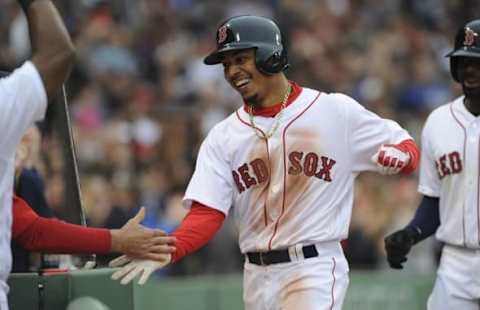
pixel 449 183
pixel 285 162
pixel 23 100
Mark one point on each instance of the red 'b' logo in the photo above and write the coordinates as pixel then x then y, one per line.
pixel 469 37
pixel 222 34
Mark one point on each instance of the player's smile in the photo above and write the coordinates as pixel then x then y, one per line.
pixel 471 82
pixel 241 84
pixel 239 68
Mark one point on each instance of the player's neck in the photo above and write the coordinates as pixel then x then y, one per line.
pixel 276 94
pixel 273 110
pixel 472 105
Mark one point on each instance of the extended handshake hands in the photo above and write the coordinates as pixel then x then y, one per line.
pixel 390 159
pixel 145 250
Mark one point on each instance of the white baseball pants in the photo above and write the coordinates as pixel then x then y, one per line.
pixel 458 280
pixel 317 283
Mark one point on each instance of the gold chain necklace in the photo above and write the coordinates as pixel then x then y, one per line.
pixel 276 119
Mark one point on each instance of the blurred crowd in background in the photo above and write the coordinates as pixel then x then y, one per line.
pixel 141 101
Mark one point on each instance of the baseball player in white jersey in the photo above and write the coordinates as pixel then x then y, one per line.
pixel 23 100
pixel 449 183
pixel 285 162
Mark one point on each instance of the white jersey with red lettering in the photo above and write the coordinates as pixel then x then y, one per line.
pixel 23 101
pixel 449 170
pixel 297 186
pixel 292 189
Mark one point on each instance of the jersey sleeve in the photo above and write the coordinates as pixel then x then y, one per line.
pixel 367 132
pixel 212 181
pixel 23 102
pixel 429 181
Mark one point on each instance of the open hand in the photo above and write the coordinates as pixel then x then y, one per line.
pixel 138 241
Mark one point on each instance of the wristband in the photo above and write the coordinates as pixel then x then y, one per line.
pixel 25 4
pixel 414 233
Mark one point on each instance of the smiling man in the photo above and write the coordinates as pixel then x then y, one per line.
pixel 450 186
pixel 285 164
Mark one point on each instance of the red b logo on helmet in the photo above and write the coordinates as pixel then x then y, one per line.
pixel 469 37
pixel 222 34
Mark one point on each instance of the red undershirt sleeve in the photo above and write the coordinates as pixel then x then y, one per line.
pixel 411 148
pixel 197 228
pixel 35 233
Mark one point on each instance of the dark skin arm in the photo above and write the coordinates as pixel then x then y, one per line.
pixel 53 53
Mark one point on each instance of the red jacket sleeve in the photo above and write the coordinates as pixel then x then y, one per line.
pixel 197 228
pixel 39 234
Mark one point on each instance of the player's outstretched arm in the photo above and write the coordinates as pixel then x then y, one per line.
pixel 397 158
pixel 35 233
pixel 423 225
pixel 52 49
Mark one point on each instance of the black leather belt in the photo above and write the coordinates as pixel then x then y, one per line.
pixel 279 256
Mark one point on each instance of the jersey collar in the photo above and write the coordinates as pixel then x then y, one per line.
pixel 273 110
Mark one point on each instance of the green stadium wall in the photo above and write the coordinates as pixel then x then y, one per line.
pixel 389 290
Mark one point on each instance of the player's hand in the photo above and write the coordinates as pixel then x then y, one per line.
pixel 398 245
pixel 138 241
pixel 131 268
pixel 390 159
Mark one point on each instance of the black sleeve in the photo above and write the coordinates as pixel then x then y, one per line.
pixel 30 187
pixel 426 219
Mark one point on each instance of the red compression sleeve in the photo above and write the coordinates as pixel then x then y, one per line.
pixel 409 146
pixel 197 228
pixel 35 233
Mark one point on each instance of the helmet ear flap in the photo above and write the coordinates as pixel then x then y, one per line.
pixel 272 62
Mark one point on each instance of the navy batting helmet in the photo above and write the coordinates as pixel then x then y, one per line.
pixel 242 32
pixel 467 44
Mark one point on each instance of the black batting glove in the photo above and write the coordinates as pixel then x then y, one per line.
pixel 398 245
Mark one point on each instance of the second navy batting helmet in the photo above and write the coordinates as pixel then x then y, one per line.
pixel 467 44
pixel 247 31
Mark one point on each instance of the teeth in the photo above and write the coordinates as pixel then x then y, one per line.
pixel 241 83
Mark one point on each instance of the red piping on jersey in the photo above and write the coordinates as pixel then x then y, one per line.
pixel 265 213
pixel 464 161
pixel 265 207
pixel 250 125
pixel 271 111
pixel 333 284
pixel 285 168
pixel 478 197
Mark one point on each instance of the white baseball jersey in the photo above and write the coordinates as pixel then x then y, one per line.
pixel 449 170
pixel 297 186
pixel 23 101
